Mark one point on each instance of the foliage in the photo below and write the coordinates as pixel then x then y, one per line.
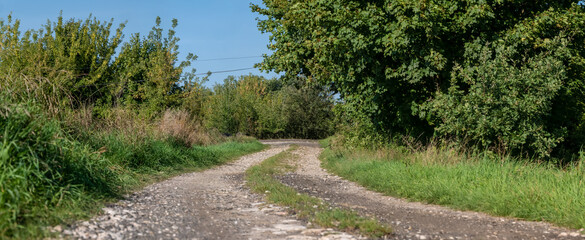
pixel 147 73
pixel 73 55
pixel 76 61
pixel 495 100
pixel 307 111
pixel 269 108
pixel 389 59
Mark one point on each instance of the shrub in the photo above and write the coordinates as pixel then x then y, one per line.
pixel 496 100
pixel 270 108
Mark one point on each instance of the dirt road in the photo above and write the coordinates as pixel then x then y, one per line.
pixel 215 204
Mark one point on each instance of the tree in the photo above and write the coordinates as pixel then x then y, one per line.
pixel 148 72
pixel 389 58
pixel 71 58
pixel 269 108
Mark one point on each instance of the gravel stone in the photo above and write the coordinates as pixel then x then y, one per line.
pixel 215 204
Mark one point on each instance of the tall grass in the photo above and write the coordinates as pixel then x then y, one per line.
pixel 41 166
pixel 498 185
pixel 179 125
pixel 52 173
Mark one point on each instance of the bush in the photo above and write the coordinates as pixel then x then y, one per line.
pixel 498 101
pixel 70 64
pixel 270 108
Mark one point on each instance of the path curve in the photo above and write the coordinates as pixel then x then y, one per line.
pixel 213 204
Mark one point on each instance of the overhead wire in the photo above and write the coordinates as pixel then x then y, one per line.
pixel 137 81
pixel 226 58
pixel 224 71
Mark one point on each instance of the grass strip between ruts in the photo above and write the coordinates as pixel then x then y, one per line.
pixel 261 179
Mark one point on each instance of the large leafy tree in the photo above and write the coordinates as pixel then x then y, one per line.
pixel 389 59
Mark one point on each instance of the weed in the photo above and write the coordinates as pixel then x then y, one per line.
pixel 179 125
pixel 261 179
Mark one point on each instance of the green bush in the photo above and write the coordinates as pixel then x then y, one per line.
pixel 496 100
pixel 69 64
pixel 307 111
pixel 269 108
pixel 74 56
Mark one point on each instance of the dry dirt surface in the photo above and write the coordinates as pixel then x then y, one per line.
pixel 215 204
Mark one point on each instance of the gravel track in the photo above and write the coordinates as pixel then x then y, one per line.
pixel 215 204
pixel 212 204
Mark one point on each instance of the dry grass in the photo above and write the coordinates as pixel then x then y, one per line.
pixel 121 121
pixel 51 95
pixel 128 122
pixel 179 124
pixel 410 150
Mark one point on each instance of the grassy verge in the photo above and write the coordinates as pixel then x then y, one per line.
pixel 261 179
pixel 49 176
pixel 477 182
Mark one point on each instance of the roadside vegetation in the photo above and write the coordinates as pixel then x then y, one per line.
pixel 477 105
pixel 476 181
pixel 51 174
pixel 506 76
pixel 262 179
pixel 270 108
pixel 86 117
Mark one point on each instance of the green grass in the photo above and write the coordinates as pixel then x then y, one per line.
pixel 261 179
pixel 482 182
pixel 49 176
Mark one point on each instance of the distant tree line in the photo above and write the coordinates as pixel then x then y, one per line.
pixel 272 108
pixel 72 65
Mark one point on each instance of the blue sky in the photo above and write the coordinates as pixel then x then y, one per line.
pixel 210 29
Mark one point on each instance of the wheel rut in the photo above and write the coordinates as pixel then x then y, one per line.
pixel 412 220
pixel 216 204
pixel 213 204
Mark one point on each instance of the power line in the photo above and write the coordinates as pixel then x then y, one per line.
pixel 224 71
pixel 227 58
pixel 139 81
